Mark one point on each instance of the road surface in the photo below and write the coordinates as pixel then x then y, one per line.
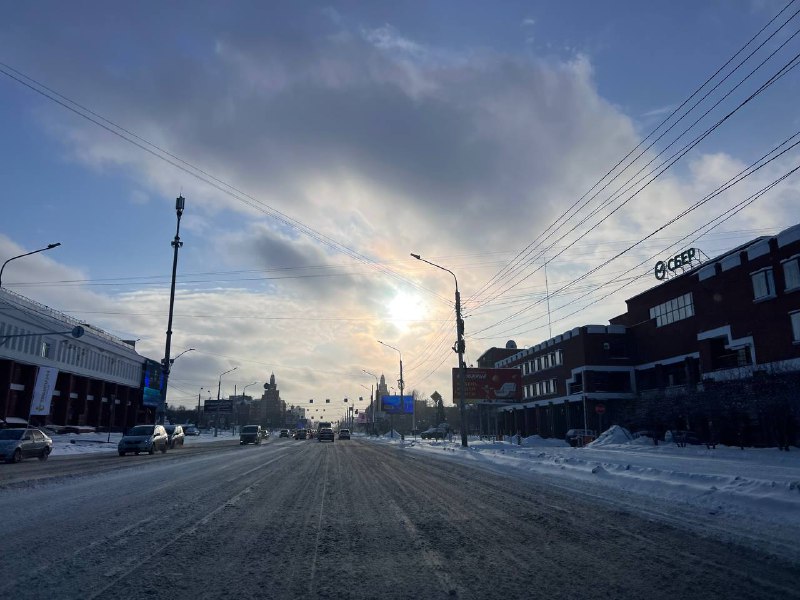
pixel 357 519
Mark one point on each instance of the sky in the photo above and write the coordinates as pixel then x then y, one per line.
pixel 750 495
pixel 317 145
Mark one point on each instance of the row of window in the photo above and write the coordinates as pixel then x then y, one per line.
pixel 69 354
pixel 545 361
pixel 540 388
pixel 673 310
pixel 764 280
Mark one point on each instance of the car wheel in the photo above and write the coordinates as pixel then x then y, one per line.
pixel 164 448
pixel 123 454
pixel 17 456
pixel 45 454
pixel 152 450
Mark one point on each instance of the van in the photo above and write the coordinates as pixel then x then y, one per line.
pixel 250 434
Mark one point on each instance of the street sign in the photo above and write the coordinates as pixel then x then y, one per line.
pixel 600 409
pixel 221 406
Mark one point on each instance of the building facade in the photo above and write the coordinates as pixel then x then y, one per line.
pixel 100 377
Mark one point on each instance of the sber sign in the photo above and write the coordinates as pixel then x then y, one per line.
pixel 684 259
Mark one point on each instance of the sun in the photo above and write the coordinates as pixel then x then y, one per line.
pixel 405 308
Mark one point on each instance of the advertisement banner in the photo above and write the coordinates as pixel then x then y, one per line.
pixel 151 383
pixel 43 390
pixel 493 385
pixel 392 405
pixel 218 406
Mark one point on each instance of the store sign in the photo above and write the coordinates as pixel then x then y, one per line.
pixel 684 259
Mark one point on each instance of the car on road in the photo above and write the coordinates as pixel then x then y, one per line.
pixel 433 433
pixel 251 434
pixel 300 434
pixel 191 430
pixel 175 435
pixel 579 437
pixel 344 434
pixel 16 444
pixel 325 433
pixel 284 433
pixel 144 438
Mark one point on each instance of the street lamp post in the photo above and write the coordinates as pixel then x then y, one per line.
pixel 180 201
pixel 400 383
pixel 460 347
pixel 238 415
pixel 49 247
pixel 372 401
pixel 219 388
pixel 198 406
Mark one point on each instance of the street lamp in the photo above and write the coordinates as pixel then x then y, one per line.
pixel 49 247
pixel 400 384
pixel 373 402
pixel 198 405
pixel 219 387
pixel 180 201
pixel 460 347
pixel 238 411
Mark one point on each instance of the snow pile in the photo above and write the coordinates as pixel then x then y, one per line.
pixel 614 435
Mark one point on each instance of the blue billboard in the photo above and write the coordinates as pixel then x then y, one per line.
pixel 151 383
pixel 394 406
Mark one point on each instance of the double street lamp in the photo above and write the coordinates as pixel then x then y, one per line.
pixel 459 347
pixel 219 388
pixel 400 383
pixel 373 401
pixel 49 247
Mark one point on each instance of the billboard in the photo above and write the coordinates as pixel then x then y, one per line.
pixel 223 407
pixel 493 385
pixel 151 383
pixel 392 405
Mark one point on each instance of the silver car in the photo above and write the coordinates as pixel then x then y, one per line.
pixel 16 444
pixel 144 438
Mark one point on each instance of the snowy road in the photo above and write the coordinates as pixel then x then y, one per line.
pixel 345 520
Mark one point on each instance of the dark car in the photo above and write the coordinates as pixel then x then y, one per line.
pixel 325 434
pixel 682 438
pixel 175 435
pixel 300 434
pixel 191 430
pixel 344 434
pixel 284 433
pixel 251 434
pixel 144 438
pixel 433 433
pixel 579 437
pixel 16 444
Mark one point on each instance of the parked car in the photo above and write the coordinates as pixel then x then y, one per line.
pixel 191 430
pixel 251 434
pixel 300 434
pixel 284 433
pixel 682 438
pixel 325 433
pixel 144 438
pixel 434 433
pixel 580 437
pixel 16 444
pixel 344 434
pixel 175 435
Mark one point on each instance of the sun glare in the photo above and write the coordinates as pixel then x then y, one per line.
pixel 405 308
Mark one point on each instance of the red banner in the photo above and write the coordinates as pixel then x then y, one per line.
pixel 492 385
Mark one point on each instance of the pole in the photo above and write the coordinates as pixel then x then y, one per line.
pixel 49 247
pixel 165 363
pixel 198 407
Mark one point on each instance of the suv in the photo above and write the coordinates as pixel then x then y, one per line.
pixel 344 434
pixel 175 435
pixel 579 437
pixel 250 434
pixel 434 433
pixel 284 433
pixel 325 433
pixel 144 438
pixel 300 434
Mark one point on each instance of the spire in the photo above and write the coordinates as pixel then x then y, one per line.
pixel 272 381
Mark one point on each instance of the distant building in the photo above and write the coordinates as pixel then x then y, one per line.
pixel 270 411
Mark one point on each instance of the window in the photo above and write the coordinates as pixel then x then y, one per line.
pixel 44 350
pixel 553 388
pixel 795 318
pixel 791 273
pixel 763 284
pixel 673 310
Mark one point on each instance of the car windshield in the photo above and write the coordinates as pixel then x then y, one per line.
pixel 11 434
pixel 250 429
pixel 142 430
